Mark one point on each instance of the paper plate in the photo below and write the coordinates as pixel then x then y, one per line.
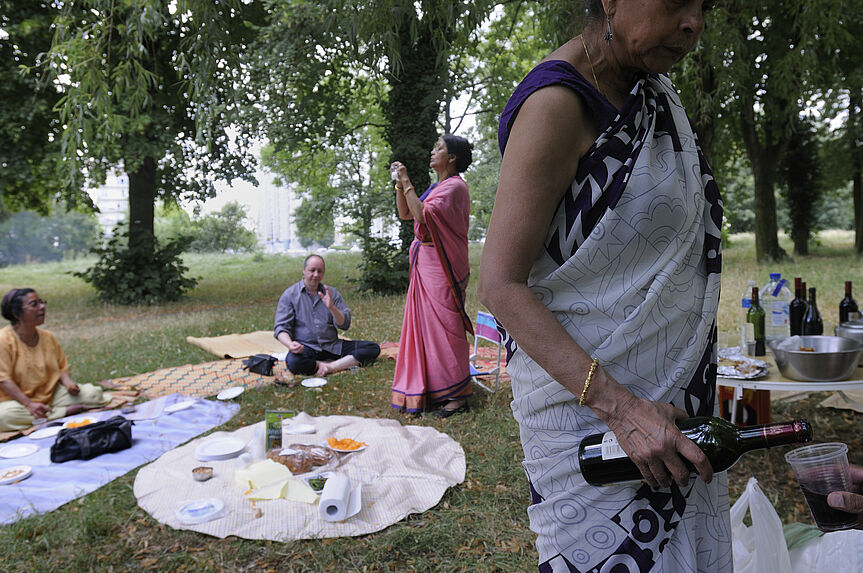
pixel 79 422
pixel 18 450
pixel 314 382
pixel 15 473
pixel 219 449
pixel 177 406
pixel 230 393
pixel 48 432
pixel 298 429
pixel 201 510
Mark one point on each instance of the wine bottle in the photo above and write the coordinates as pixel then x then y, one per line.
pixel 603 461
pixel 848 307
pixel 812 323
pixel 755 327
pixel 797 307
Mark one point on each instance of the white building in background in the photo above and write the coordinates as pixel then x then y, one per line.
pixel 269 208
pixel 112 199
pixel 275 227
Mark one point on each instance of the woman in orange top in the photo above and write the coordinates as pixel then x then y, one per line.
pixel 34 377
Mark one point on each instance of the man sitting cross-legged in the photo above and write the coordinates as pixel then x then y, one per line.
pixel 306 320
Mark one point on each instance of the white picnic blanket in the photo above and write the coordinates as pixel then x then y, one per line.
pixel 153 433
pixel 403 470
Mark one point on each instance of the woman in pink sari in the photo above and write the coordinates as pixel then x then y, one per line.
pixel 432 366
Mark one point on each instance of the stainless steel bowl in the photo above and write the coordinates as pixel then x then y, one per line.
pixel 831 358
pixel 852 329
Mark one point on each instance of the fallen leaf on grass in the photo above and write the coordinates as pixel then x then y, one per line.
pixel 510 546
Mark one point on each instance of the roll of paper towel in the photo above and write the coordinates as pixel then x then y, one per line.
pixel 338 501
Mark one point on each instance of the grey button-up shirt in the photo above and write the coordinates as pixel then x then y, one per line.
pixel 304 317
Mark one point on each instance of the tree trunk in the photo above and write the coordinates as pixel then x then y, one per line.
pixel 412 111
pixel 704 117
pixel 855 139
pixel 801 242
pixel 142 196
pixel 764 159
pixel 767 247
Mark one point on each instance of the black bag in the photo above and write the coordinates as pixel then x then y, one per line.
pixel 92 440
pixel 260 364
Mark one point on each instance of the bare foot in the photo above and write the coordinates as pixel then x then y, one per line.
pixel 75 409
pixel 323 369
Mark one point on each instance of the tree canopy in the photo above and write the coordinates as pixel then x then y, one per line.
pixel 30 129
pixel 152 87
pixel 174 93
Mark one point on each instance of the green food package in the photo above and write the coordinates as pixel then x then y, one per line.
pixel 273 419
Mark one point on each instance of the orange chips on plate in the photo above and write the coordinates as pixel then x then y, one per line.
pixel 345 444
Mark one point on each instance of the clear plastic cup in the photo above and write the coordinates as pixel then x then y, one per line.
pixel 820 469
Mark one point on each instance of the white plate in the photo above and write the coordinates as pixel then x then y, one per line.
pixel 201 510
pixel 48 432
pixel 177 406
pixel 298 429
pixel 18 450
pixel 314 382
pixel 219 449
pixel 77 421
pixel 230 393
pixel 15 473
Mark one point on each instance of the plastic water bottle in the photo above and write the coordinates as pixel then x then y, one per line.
pixel 775 298
pixel 745 303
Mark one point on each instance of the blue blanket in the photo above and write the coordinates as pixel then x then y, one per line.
pixel 51 485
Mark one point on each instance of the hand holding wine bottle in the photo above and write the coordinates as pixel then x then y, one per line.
pixel 850 501
pixel 602 462
pixel 647 433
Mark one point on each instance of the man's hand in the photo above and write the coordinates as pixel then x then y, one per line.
pixel 850 501
pixel 326 297
pixel 296 347
pixel 38 410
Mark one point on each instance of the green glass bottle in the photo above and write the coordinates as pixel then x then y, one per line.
pixel 603 461
pixel 755 327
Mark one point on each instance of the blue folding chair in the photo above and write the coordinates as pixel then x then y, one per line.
pixel 486 329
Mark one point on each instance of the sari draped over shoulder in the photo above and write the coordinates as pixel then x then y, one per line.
pixel 630 268
pixel 432 364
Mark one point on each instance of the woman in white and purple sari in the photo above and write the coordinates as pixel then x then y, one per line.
pixel 602 263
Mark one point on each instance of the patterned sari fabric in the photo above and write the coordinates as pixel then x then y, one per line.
pixel 631 269
pixel 433 357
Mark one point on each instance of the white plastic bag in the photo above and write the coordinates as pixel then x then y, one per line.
pixel 760 548
pixel 837 552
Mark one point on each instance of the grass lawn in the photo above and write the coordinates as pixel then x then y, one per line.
pixel 480 525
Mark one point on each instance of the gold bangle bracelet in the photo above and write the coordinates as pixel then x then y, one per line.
pixel 407 190
pixel 593 364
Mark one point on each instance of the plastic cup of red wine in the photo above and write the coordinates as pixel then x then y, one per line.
pixel 820 469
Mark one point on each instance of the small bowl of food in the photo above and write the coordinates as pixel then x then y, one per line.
pixel 317 481
pixel 202 473
pixel 816 358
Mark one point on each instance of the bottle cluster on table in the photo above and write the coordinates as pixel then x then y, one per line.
pixel 773 312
